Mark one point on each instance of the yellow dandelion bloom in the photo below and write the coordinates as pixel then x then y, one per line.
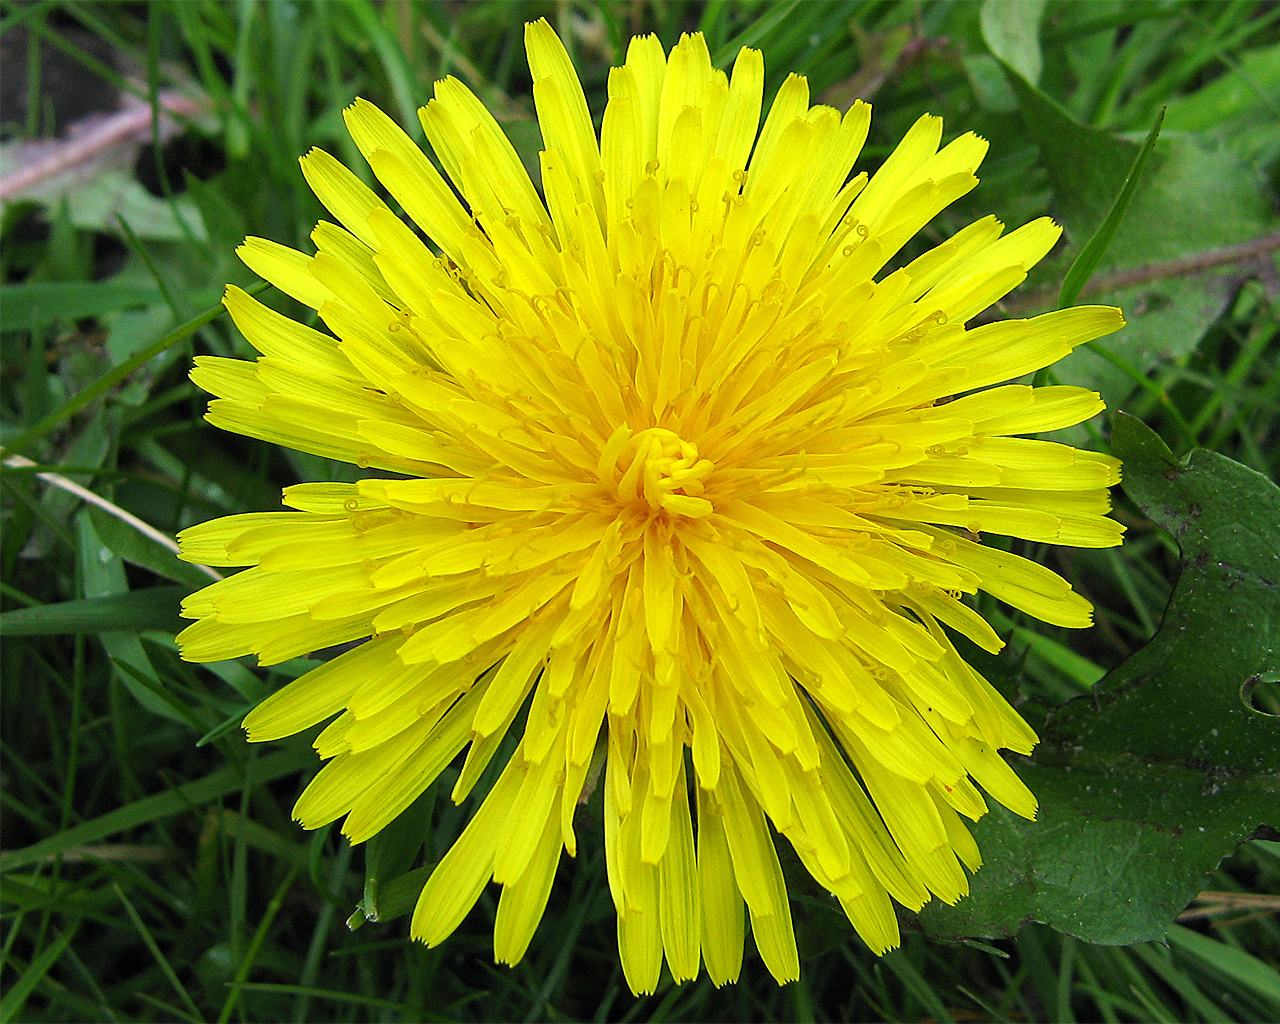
pixel 676 464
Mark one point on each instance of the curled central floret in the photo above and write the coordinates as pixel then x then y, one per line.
pixel 655 471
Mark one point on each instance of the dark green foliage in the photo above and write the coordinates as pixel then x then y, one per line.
pixel 1156 775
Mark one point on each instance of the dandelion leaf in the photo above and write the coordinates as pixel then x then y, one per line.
pixel 1148 782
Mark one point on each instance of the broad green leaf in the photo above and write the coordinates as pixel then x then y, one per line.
pixel 1194 198
pixel 1011 30
pixel 30 306
pixel 136 610
pixel 139 549
pixel 1222 626
pixel 392 852
pixel 988 81
pixel 113 192
pixel 1093 251
pixel 147 216
pixel 103 576
pixel 1150 780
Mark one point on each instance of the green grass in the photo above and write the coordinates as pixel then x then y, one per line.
pixel 152 871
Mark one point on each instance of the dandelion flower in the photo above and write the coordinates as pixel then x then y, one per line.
pixel 676 464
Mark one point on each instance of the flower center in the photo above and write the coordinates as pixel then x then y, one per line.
pixel 660 471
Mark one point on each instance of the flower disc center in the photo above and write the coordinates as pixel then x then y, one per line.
pixel 662 472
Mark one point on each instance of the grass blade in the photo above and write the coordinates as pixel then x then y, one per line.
pixel 1241 967
pixel 1094 249
pixel 116 374
pixel 211 787
pixel 246 965
pixel 136 611
pixel 12 1002
pixel 161 960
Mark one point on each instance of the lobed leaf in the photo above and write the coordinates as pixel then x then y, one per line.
pixel 1149 781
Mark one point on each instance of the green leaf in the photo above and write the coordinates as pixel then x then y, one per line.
pixel 1093 251
pixel 139 549
pixel 224 220
pixel 1239 107
pixel 1195 198
pixel 113 195
pixel 136 610
pixel 1236 964
pixel 104 577
pixel 755 32
pixel 32 305
pixel 1146 783
pixel 130 331
pixel 989 83
pixel 396 899
pixel 1011 30
pixel 116 374
pixel 392 851
pixel 259 836
pixel 1222 626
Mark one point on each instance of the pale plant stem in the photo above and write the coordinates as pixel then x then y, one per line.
pixel 97 137
pixel 1210 904
pixel 84 494
pixel 1161 270
pixel 1184 265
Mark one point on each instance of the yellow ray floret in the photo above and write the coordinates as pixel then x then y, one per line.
pixel 677 464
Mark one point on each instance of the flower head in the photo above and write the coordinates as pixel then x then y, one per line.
pixel 679 467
